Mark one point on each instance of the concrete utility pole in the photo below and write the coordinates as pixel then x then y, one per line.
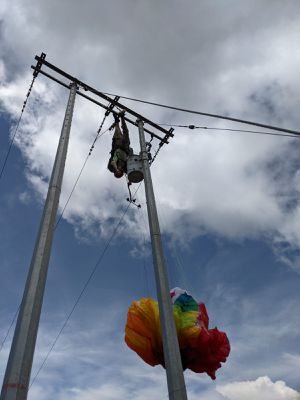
pixel 175 377
pixel 17 375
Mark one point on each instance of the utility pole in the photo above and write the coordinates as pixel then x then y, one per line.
pixel 172 358
pixel 18 370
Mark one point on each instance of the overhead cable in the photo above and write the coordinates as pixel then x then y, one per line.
pixel 230 129
pixel 82 168
pixel 16 128
pixel 93 271
pixel 241 121
pixel 9 328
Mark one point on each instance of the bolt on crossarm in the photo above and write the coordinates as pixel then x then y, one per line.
pixel 172 358
pixel 18 370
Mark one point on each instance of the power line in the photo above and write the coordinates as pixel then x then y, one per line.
pixel 96 266
pixel 81 294
pixel 96 138
pixel 230 129
pixel 82 168
pixel 10 326
pixel 241 121
pixel 16 128
pixel 1 174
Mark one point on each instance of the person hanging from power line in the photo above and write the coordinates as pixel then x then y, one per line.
pixel 120 149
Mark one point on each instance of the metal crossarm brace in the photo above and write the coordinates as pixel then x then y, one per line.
pixel 100 94
pixel 111 106
pixel 164 140
pixel 39 65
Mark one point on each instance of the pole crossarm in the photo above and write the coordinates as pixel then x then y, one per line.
pixel 163 140
pixel 42 62
pixel 39 65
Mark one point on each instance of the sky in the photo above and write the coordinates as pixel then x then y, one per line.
pixel 228 202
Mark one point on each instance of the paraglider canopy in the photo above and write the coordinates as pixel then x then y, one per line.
pixel 202 349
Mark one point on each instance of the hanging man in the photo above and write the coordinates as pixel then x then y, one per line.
pixel 120 147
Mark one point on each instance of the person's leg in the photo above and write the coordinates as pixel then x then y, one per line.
pixel 118 133
pixel 125 132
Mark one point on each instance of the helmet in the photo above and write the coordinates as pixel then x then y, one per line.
pixel 119 173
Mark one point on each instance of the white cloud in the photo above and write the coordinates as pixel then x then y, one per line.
pixel 239 59
pixel 233 185
pixel 106 391
pixel 2 71
pixel 91 360
pixel 260 389
pixel 25 197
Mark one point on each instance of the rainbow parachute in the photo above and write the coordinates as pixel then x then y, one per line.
pixel 202 349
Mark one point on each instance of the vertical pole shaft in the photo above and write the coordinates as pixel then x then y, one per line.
pixel 17 375
pixel 172 358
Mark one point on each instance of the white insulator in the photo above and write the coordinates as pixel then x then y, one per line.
pixel 134 168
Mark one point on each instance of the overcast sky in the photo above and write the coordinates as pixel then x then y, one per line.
pixel 228 201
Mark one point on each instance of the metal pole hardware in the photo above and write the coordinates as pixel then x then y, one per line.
pixel 18 370
pixel 172 358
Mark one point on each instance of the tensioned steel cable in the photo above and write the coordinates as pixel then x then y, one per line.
pixel 1 174
pixel 230 130
pixel 94 269
pixel 81 293
pixel 239 120
pixel 98 136
pixel 9 328
pixel 16 128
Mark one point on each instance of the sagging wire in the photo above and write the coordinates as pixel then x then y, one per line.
pixel 131 198
pixel 107 112
pixel 97 137
pixel 151 159
pixel 149 147
pixel 1 174
pixel 230 130
pixel 155 154
pixel 17 127
pixel 93 271
pixel 217 116
pixel 10 326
